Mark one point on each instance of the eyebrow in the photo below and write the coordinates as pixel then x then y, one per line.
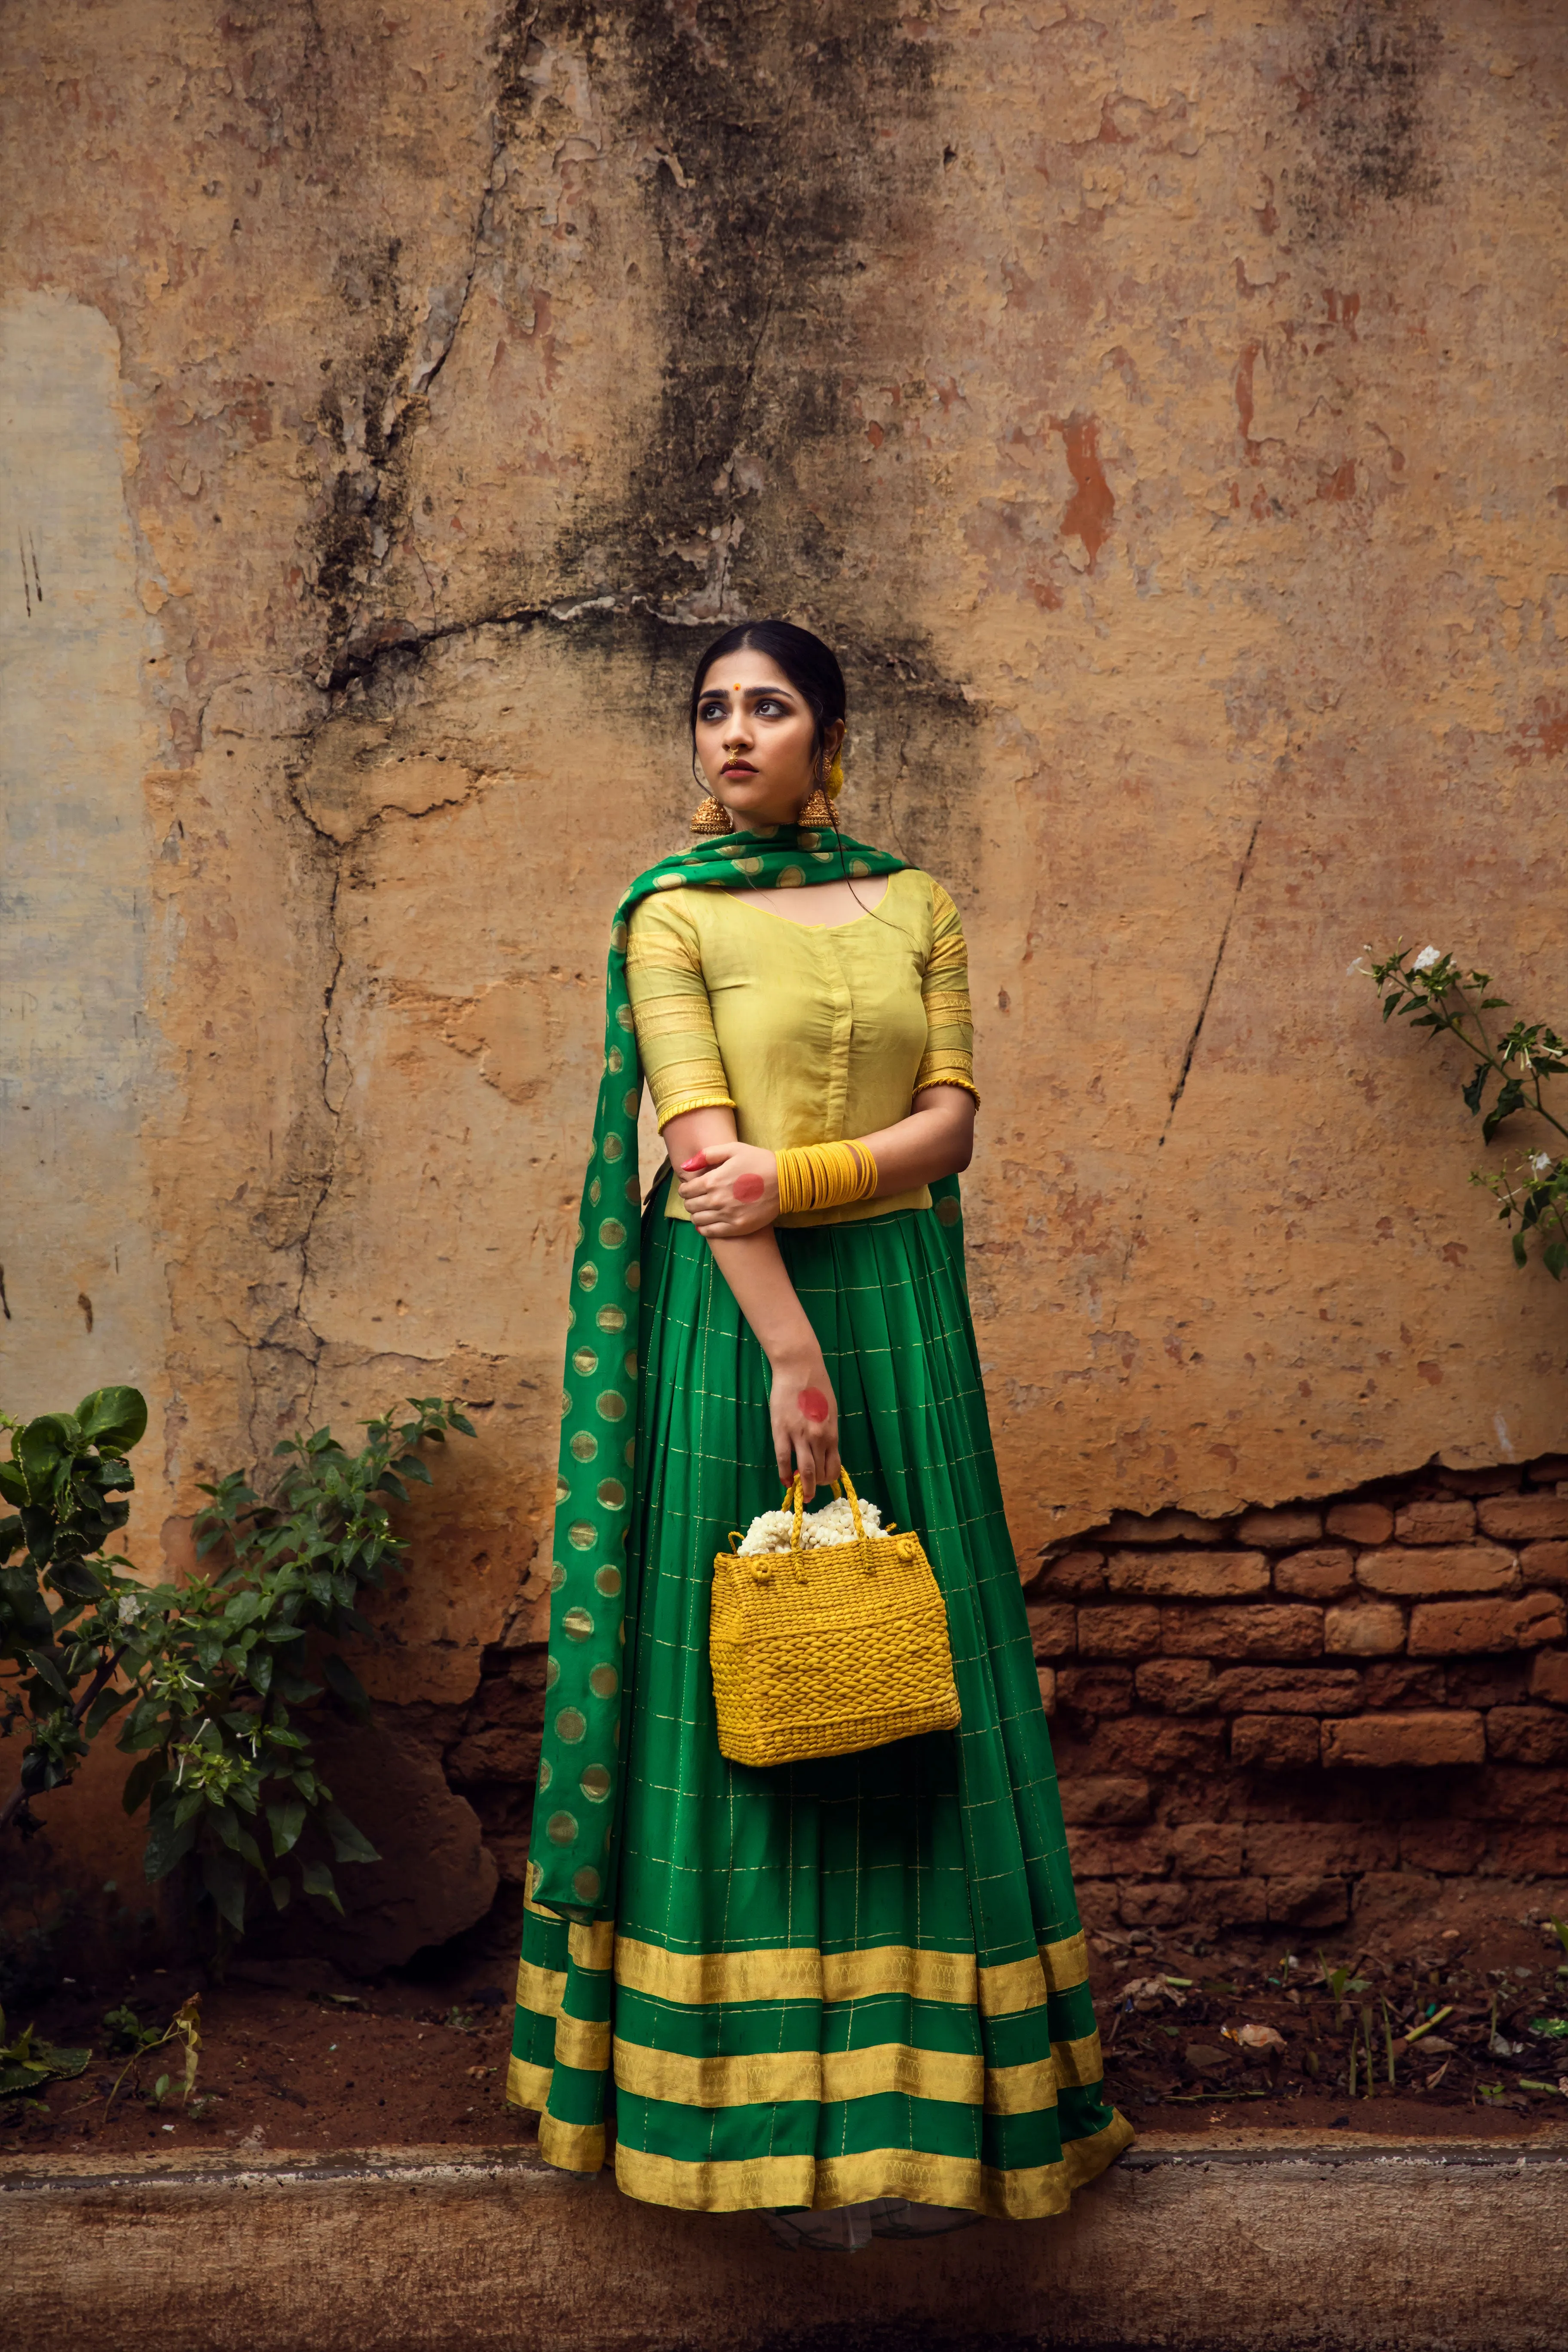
pixel 783 692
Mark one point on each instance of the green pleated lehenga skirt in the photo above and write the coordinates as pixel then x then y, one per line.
pixel 854 1978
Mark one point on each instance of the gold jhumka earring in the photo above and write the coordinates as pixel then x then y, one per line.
pixel 818 810
pixel 711 817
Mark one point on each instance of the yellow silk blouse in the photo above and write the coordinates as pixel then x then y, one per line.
pixel 811 1032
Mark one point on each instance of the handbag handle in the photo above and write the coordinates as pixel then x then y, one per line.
pixel 797 1495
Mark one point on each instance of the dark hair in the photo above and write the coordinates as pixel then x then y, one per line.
pixel 811 667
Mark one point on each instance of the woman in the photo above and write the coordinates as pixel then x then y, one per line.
pixel 851 1993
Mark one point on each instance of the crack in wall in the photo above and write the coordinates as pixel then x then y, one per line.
pixel 1179 1090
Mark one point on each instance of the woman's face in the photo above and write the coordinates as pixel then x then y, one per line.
pixel 754 739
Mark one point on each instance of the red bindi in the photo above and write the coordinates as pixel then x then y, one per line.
pixel 748 1187
pixel 813 1404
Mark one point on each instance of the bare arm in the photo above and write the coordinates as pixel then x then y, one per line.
pixel 802 1405
pixel 736 1190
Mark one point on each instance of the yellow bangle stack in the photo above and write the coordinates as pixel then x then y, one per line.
pixel 824 1176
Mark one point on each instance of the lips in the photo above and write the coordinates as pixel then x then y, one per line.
pixel 739 767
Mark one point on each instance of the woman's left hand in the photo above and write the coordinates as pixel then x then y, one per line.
pixel 730 1189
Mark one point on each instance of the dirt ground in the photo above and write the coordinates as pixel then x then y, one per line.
pixel 295 2057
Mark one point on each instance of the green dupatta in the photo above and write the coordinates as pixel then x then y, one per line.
pixel 571 1853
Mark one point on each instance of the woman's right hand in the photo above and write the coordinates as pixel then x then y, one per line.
pixel 804 1413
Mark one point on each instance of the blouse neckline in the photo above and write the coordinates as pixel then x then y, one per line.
pixel 746 899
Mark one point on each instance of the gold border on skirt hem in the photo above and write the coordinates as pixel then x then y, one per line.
pixel 693 1979
pixel 962 2182
pixel 527 2085
pixel 572 2148
pixel 776 2077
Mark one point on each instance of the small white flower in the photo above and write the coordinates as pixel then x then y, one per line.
pixel 769 1531
pixel 1543 1163
pixel 1426 958
pixel 834 1524
pixel 129 1608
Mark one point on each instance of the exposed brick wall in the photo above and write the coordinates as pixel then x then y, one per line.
pixel 1284 1718
pixel 1299 1714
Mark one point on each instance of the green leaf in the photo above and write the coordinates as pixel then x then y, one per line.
pixel 349 1844
pixel 413 1467
pixel 288 1820
pixel 460 1422
pixel 346 1685
pixel 1476 1087
pixel 1509 1099
pixel 141 1779
pixel 1521 1254
pixel 104 1708
pixel 390 1482
pixel 280 1891
pixel 13 1484
pixel 317 1879
pixel 114 1418
pixel 73 1578
pixel 168 1842
pixel 223 1875
pixel 1554 1257
pixel 43 1666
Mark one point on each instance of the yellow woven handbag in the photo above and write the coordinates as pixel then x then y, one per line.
pixel 825 1651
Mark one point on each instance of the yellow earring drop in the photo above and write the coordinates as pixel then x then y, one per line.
pixel 818 810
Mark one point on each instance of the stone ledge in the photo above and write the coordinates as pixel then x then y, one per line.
pixel 1241 2243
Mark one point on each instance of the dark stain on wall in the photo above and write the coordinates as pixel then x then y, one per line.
pixel 1363 106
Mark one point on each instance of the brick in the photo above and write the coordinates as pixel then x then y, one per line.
pixel 1455 1848
pixel 1179 1685
pixel 1048 1681
pixel 1275 1743
pixel 1513 1793
pixel 1548 1470
pixel 1438 1628
pixel 1209 1849
pixel 1160 1903
pixel 1527 1735
pixel 1277 1530
pixel 1265 1631
pixel 1499 1680
pixel 1320 1849
pixel 1129 1632
pixel 1449 1522
pixel 1515 1853
pixel 1549 1676
pixel 1502 1479
pixel 1366 1629
pixel 1098 1908
pixel 1286 1690
pixel 1301 1902
pixel 1525 1519
pixel 1360 1523
pixel 1153 1743
pixel 1105 1798
pixel 1403 1682
pixel 1074 1575
pixel 1233 1902
pixel 1165 1526
pixel 1095 1690
pixel 1544 1563
pixel 1454 1736
pixel 1053 1628
pixel 1431 1572
pixel 1326 1574
pixel 1120 1852
pixel 1188 1575
pixel 506 1752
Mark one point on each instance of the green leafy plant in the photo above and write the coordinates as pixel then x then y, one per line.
pixel 219 1675
pixel 27 2064
pixel 1431 992
pixel 186 2026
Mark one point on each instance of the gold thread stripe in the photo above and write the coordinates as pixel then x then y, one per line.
pixel 794 1973
pixel 575 2147
pixel 592 1944
pixel 1011 1987
pixel 527 2085
pixel 1065 1964
pixel 712 1100
pixel 582 2043
pixel 539 1990
pixel 776 2076
pixel 1024 2090
pixel 1078 2063
pixel 670 1016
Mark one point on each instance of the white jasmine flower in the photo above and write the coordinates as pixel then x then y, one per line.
pixel 1543 1163
pixel 834 1525
pixel 129 1608
pixel 769 1531
pixel 1426 958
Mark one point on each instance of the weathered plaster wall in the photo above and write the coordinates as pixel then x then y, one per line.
pixel 1159 405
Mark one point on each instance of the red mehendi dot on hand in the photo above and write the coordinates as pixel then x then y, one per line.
pixel 748 1187
pixel 813 1404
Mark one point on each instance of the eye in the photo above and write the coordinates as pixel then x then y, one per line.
pixel 770 704
pixel 709 713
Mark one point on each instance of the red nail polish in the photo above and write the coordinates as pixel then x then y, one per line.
pixel 690 1166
